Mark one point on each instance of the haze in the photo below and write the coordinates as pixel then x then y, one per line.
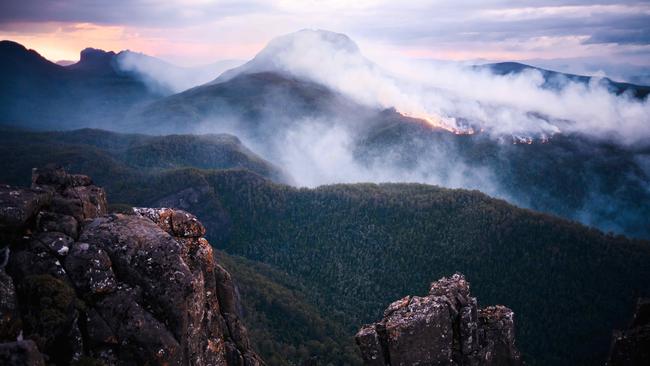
pixel 605 38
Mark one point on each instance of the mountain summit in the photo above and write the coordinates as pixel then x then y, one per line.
pixel 296 54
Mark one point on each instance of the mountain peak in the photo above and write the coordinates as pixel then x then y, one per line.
pixel 296 53
pixel 95 59
pixel 7 45
pixel 16 56
pixel 314 38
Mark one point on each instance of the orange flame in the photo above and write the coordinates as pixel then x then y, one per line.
pixel 437 122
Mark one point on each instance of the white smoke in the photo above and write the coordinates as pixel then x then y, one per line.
pixel 515 104
pixel 166 78
pixel 322 152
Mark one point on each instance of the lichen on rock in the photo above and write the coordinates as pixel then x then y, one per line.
pixel 444 328
pixel 85 287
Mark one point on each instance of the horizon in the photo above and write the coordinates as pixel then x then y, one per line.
pixel 605 39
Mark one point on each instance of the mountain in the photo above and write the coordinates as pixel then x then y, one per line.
pixel 163 76
pixel 36 93
pixel 287 118
pixel 556 80
pixel 97 91
pixel 293 118
pixel 109 155
pixel 257 105
pixel 281 54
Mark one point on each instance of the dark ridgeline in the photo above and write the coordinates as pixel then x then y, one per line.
pixel 88 288
pixel 444 328
pixel 36 93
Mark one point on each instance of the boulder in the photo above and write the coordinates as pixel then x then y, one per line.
pixel 89 269
pixel 50 221
pixel 175 222
pixel 18 207
pixel 444 328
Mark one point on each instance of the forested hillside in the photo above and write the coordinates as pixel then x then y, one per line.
pixel 360 246
pixel 357 247
pixel 284 326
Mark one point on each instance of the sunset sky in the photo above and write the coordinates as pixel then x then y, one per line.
pixel 572 35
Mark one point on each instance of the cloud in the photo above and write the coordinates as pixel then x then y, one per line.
pixel 495 29
pixel 173 13
pixel 164 78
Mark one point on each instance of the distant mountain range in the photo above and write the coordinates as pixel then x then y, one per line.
pixel 99 90
pixel 37 93
pixel 282 114
pixel 557 80
pixel 319 261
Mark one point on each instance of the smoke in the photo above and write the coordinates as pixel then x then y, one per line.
pixel 165 78
pixel 338 143
pixel 456 96
pixel 323 152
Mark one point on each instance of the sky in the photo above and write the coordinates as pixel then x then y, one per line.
pixel 590 37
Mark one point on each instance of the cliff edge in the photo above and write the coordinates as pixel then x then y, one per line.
pixel 80 286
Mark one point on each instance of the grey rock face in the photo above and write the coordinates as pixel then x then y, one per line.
pixel 444 328
pixel 121 289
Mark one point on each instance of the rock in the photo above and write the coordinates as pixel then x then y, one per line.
pixel 176 222
pixel 444 328
pixel 86 202
pixel 118 289
pixel 18 206
pixel 146 257
pixel 50 175
pixel 10 322
pixel 142 339
pixel 631 347
pixel 66 224
pixel 56 177
pixel 369 342
pixel 32 257
pixel 21 353
pixel 89 268
pixel 49 311
pixel 58 243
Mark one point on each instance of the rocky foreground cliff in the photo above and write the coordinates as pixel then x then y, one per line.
pixel 444 328
pixel 631 347
pixel 80 286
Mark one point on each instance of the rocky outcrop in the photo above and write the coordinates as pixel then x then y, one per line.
pixel 631 347
pixel 444 328
pixel 78 285
pixel 20 353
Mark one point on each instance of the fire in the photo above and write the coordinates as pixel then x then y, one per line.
pixel 447 124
